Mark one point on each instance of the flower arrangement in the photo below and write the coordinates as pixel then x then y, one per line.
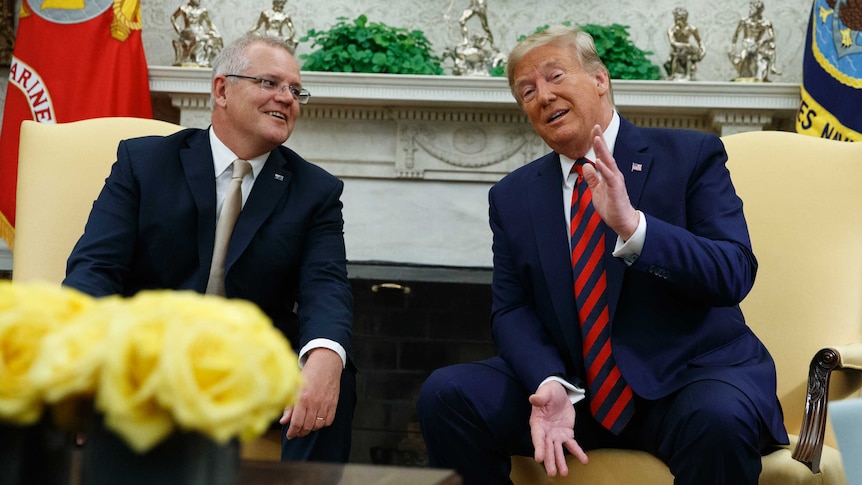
pixel 152 364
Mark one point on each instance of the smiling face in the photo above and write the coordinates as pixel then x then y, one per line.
pixel 562 100
pixel 249 120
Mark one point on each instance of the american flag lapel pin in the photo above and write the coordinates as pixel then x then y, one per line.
pixel 279 177
pixel 637 167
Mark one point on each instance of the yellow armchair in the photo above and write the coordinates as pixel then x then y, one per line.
pixel 61 169
pixel 803 203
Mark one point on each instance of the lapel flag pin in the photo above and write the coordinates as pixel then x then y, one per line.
pixel 279 177
pixel 637 167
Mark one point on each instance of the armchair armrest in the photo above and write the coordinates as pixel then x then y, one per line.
pixel 810 444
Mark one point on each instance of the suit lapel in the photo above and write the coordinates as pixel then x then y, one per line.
pixel 634 163
pixel 197 161
pixel 270 186
pixel 549 226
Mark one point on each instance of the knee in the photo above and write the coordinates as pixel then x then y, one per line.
pixel 726 427
pixel 438 392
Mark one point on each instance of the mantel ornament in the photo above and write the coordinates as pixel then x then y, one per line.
pixel 199 41
pixel 686 48
pixel 752 50
pixel 276 23
pixel 477 54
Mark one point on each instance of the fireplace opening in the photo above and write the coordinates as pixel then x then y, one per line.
pixel 409 321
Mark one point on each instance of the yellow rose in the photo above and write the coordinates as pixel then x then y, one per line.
pixel 227 371
pixel 202 363
pixel 130 377
pixel 71 357
pixel 29 313
pixel 278 367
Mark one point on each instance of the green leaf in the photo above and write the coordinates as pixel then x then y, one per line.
pixel 370 47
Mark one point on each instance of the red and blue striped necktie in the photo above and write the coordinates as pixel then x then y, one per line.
pixel 610 396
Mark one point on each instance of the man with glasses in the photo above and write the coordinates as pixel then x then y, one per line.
pixel 154 226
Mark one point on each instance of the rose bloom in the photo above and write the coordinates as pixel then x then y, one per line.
pixel 202 363
pixel 71 357
pixel 129 378
pixel 29 313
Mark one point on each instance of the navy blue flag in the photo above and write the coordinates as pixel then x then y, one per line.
pixel 831 104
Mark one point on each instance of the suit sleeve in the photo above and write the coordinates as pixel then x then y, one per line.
pixel 705 252
pixel 102 256
pixel 325 298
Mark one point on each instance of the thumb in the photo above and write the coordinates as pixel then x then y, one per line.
pixel 285 418
pixel 538 400
pixel 591 174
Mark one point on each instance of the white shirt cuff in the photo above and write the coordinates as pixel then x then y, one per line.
pixel 630 250
pixel 326 344
pixel 575 393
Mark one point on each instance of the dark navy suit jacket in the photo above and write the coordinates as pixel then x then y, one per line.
pixel 674 313
pixel 153 227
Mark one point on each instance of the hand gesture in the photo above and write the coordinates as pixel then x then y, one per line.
pixel 552 427
pixel 608 186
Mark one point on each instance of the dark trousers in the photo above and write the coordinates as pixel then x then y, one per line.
pixel 475 416
pixel 332 443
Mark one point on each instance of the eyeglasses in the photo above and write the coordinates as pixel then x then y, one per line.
pixel 268 85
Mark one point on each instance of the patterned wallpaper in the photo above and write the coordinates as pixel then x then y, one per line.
pixel 508 19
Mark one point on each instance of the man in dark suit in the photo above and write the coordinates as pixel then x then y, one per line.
pixel 679 375
pixel 153 227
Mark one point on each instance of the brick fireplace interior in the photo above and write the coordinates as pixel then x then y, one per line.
pixel 408 321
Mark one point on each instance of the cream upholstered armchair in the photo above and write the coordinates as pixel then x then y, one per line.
pixel 802 198
pixel 61 169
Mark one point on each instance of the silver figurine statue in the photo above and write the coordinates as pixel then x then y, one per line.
pixel 686 48
pixel 199 41
pixel 276 23
pixel 752 50
pixel 477 53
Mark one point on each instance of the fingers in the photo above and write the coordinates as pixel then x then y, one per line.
pixel 604 163
pixel 560 458
pixel 302 422
pixel 538 436
pixel 576 451
pixel 551 461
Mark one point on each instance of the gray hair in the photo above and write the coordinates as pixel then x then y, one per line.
pixel 232 59
pixel 581 43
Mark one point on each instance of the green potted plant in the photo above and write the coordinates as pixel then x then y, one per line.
pixel 623 59
pixel 369 47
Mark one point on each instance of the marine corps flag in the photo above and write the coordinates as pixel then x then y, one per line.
pixel 73 60
pixel 831 104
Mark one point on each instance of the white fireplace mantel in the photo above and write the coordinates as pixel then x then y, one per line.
pixel 433 145
pixel 418 153
pixel 721 107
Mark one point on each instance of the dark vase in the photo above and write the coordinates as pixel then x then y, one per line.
pixel 35 454
pixel 183 458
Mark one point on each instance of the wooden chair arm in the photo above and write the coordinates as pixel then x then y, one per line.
pixel 810 444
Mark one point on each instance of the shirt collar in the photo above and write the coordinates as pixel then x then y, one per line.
pixel 610 135
pixel 223 157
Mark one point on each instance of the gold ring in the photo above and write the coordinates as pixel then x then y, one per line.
pixel 320 419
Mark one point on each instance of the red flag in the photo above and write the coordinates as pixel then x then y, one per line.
pixel 73 60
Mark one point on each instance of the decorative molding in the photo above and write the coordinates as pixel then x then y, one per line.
pixel 355 89
pixel 455 128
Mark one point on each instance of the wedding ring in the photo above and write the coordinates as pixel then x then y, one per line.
pixel 320 419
